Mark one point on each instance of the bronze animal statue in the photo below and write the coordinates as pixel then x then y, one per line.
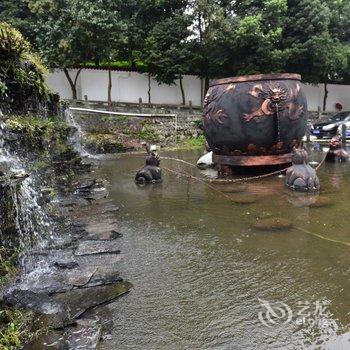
pixel 151 172
pixel 336 153
pixel 301 176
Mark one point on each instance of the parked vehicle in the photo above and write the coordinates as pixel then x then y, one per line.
pixel 339 130
pixel 328 128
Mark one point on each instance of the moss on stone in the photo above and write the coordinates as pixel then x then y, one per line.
pixel 189 143
pixel 8 270
pixel 106 143
pixel 34 126
pixel 46 136
pixel 147 133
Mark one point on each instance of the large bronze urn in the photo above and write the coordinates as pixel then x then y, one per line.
pixel 255 120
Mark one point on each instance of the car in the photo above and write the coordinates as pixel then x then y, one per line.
pixel 329 127
pixel 340 131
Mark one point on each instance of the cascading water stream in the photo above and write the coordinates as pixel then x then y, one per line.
pixel 77 136
pixel 34 227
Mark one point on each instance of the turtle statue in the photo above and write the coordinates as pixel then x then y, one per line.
pixel 151 172
pixel 301 176
pixel 336 152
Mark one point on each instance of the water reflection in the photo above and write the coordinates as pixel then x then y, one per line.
pixel 199 266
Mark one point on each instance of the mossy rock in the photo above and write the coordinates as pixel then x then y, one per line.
pixel 244 199
pixel 273 224
pixel 107 143
pixel 146 133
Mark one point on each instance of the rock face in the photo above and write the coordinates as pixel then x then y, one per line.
pixel 74 272
pixel 114 134
pixel 301 176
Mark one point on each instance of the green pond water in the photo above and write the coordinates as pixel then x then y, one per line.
pixel 199 267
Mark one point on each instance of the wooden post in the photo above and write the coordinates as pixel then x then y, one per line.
pixel 140 104
pixel 86 101
pixel 343 135
pixel 318 112
pixel 190 106
pixel 176 127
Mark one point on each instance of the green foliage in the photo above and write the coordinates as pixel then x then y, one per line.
pixel 21 70
pixel 147 133
pixel 195 142
pixel 71 32
pixel 198 123
pixel 167 54
pixel 14 325
pixel 34 126
pixel 8 258
pixel 139 65
pixel 17 14
pixel 210 38
pixel 47 135
pixel 311 48
pixel 105 143
pixel 190 143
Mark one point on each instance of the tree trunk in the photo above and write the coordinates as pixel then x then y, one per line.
pixel 206 85
pixel 109 85
pixel 325 96
pixel 73 84
pixel 133 64
pixel 182 91
pixel 149 88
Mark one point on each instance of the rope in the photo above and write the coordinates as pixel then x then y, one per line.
pixel 189 176
pixel 244 179
pixel 322 237
pixel 179 160
pixel 322 161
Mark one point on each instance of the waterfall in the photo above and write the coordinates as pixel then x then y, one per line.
pixel 78 136
pixel 33 226
pixel 2 141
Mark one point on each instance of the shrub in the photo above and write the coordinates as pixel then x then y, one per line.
pixel 22 83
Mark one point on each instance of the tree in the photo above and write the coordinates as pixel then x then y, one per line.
pixel 18 15
pixel 71 32
pixel 257 44
pixel 310 46
pixel 139 17
pixel 213 38
pixel 167 53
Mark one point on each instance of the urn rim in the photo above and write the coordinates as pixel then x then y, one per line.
pixel 257 77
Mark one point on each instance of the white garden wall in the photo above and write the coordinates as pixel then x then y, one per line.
pixel 130 86
pixel 126 87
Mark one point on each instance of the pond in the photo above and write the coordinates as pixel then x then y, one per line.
pixel 205 278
